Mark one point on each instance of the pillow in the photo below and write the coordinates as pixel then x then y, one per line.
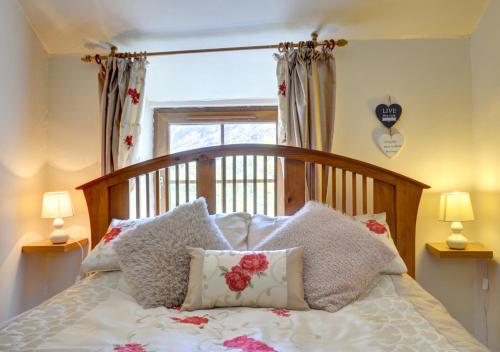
pixel 234 226
pixel 341 258
pixel 266 279
pixel 262 226
pixel 103 257
pixel 378 227
pixel 153 255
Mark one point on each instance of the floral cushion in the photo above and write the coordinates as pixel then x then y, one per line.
pixel 378 227
pixel 222 278
pixel 103 257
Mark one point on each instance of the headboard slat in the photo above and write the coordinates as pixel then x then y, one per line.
pixel 294 186
pixel 205 182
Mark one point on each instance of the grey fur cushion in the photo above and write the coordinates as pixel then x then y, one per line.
pixel 341 258
pixel 153 256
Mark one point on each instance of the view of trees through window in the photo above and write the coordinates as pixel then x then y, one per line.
pixel 192 136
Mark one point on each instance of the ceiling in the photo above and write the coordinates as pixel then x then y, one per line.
pixel 70 26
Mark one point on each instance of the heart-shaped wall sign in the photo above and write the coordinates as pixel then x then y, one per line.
pixel 388 115
pixel 389 144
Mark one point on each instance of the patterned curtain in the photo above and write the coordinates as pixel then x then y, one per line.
pixel 306 114
pixel 121 85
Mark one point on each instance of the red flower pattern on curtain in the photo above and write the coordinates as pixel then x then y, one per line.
pixel 134 95
pixel 282 89
pixel 129 141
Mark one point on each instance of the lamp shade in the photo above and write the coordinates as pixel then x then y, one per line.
pixel 455 206
pixel 57 205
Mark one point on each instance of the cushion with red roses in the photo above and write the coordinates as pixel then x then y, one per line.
pixel 226 278
pixel 378 227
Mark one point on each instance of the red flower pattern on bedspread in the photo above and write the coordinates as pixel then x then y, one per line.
pixel 376 227
pixel 254 263
pixel 237 279
pixel 112 234
pixel 195 320
pixel 248 344
pixel 281 312
pixel 134 95
pixel 129 347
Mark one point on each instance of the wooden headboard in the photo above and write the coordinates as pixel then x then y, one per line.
pixel 352 186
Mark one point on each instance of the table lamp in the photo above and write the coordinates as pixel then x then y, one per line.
pixel 456 207
pixel 57 205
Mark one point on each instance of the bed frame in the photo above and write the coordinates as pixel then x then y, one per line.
pixel 356 187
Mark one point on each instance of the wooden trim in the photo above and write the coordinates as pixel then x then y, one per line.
pixel 395 194
pixel 218 114
pixel 473 251
pixel 315 156
pixel 45 246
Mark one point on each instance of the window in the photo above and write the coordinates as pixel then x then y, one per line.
pixel 243 183
pixel 179 129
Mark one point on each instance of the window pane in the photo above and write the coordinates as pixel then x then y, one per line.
pixel 185 137
pixel 250 133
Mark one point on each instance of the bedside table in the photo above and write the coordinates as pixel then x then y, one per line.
pixel 45 246
pixel 473 251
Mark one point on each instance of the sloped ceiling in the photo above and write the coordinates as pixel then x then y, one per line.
pixel 70 26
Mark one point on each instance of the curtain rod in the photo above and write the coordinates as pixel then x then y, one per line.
pixel 281 47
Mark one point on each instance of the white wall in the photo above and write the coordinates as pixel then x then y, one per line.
pixel 40 152
pixel 23 131
pixel 485 58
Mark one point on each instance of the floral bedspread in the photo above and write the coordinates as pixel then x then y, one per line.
pixel 98 314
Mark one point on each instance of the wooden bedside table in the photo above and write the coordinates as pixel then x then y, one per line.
pixel 45 246
pixel 473 251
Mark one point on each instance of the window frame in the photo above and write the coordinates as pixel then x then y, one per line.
pixel 164 117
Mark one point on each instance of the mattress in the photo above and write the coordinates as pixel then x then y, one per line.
pixel 99 314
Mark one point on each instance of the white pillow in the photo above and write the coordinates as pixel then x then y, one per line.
pixel 234 227
pixel 261 226
pixel 378 227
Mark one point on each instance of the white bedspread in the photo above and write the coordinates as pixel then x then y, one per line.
pixel 98 314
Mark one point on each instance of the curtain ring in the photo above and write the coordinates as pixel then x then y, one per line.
pixel 97 59
pixel 281 47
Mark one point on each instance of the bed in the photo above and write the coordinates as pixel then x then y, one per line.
pixel 99 313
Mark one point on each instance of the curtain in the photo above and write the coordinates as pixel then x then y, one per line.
pixel 306 114
pixel 121 91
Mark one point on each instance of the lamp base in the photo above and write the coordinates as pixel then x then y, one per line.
pixel 58 236
pixel 456 239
